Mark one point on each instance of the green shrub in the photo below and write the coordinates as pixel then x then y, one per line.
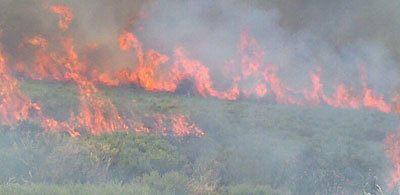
pixel 34 156
pixel 130 155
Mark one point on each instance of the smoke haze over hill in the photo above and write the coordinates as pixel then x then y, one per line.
pixel 297 96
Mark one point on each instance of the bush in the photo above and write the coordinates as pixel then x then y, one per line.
pixel 32 156
pixel 130 155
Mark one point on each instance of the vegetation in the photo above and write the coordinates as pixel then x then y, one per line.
pixel 250 147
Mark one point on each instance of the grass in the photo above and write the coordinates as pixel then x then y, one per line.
pixel 256 142
pixel 76 189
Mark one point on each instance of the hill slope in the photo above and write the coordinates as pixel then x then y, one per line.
pixel 301 150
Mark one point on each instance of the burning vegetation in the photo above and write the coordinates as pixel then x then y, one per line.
pixel 247 77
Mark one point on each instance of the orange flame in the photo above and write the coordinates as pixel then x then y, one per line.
pixel 98 114
pixel 250 75
pixel 14 106
pixel 314 95
pixel 371 99
pixel 64 13
pixel 393 152
pixel 181 127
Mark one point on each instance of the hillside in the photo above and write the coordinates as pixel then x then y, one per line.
pixel 248 146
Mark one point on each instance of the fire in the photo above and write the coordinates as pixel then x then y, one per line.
pixel 393 153
pixel 185 68
pixel 14 106
pixel 96 114
pixel 154 71
pixel 181 126
pixel 64 13
pixel 44 68
pixel 396 100
pixel 371 99
pixel 53 125
pixel 249 76
pixel 314 95
pixel 342 98
pixel 149 75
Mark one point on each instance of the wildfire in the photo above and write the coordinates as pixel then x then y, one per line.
pixel 150 74
pixel 249 74
pixel 97 114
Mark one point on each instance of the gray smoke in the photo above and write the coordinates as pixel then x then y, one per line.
pixel 297 35
pixel 337 36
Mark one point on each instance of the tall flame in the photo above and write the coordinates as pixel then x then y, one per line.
pixel 251 76
pixel 14 106
pixel 97 114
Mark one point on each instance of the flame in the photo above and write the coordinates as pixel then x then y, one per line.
pixel 147 73
pixel 393 153
pixel 396 101
pixel 371 99
pixel 96 113
pixel 314 95
pixel 51 124
pixel 154 71
pixel 251 76
pixel 44 68
pixel 14 106
pixel 182 127
pixel 185 68
pixel 342 98
pixel 64 13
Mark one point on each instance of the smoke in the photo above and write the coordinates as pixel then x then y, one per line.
pixel 370 26
pixel 337 36
pixel 344 22
pixel 297 36
pixel 93 22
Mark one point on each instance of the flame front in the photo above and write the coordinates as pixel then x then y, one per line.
pixel 97 114
pixel 249 74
